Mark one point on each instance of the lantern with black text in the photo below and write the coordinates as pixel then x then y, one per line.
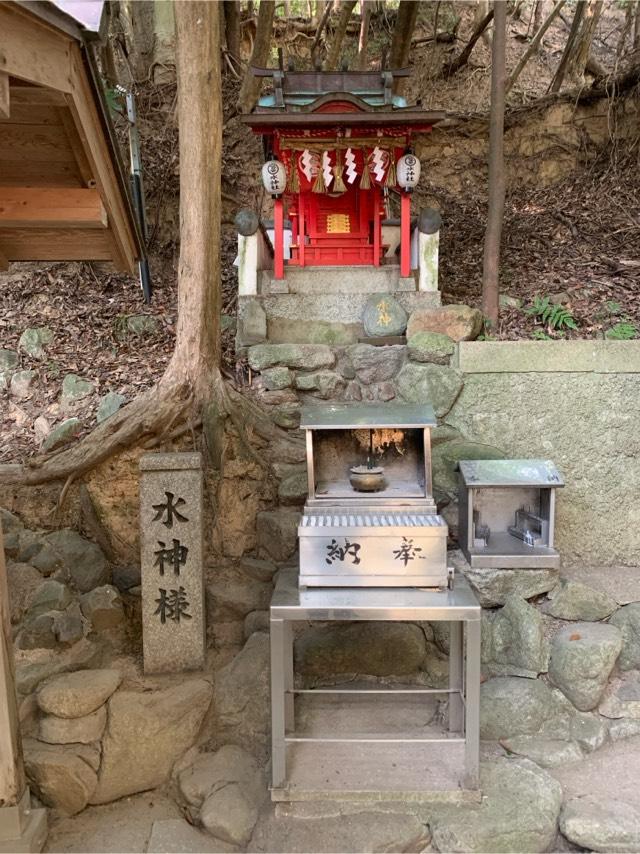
pixel 274 177
pixel 408 171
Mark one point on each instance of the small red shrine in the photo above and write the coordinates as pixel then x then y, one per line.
pixel 336 145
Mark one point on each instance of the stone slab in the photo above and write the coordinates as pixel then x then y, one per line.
pixel 601 357
pixel 31 839
pixel 621 583
pixel 338 280
pixel 173 613
pixel 177 836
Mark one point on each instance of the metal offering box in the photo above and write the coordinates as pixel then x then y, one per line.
pixel 507 513
pixel 370 519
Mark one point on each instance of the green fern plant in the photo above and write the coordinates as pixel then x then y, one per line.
pixel 541 335
pixel 552 315
pixel 622 331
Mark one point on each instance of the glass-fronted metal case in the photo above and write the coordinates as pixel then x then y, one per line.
pixel 507 513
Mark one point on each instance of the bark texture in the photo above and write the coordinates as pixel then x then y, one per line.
pixel 344 15
pixel 493 234
pixel 402 35
pixel 250 89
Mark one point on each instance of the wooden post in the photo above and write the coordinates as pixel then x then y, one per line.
pixel 278 240
pixel 301 227
pixel 21 828
pixel 376 228
pixel 405 235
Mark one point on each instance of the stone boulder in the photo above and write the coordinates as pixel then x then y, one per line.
pixel 8 360
pixel 83 560
pixel 227 814
pixel 74 695
pixel 52 595
pixel 23 581
pixel 546 752
pixel 277 534
pixel 74 388
pixel 65 432
pixel 229 764
pixel 37 633
pixel 375 364
pixel 517 645
pixel 582 658
pixel 363 829
pixel 446 456
pixel 601 825
pixel 512 706
pixel 383 316
pixel 276 379
pixel 309 357
pixel 572 600
pixel 84 730
pixel 430 347
pixel 21 384
pixel 293 489
pixel 34 340
pixel 146 733
pixel 84 654
pixel 622 697
pixel 519 812
pixel 103 608
pixel 493 586
pixel 323 384
pixel 232 594
pixel 627 619
pixel 109 404
pixel 428 383
pixel 458 322
pixel 61 778
pixel 242 695
pixel 377 649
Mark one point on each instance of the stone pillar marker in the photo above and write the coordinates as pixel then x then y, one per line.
pixel 21 828
pixel 173 616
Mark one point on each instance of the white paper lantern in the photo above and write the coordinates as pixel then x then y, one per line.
pixel 274 177
pixel 408 171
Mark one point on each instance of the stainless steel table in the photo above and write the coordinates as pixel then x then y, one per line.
pixel 460 609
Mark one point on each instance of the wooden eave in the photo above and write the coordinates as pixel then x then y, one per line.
pixel 62 192
pixel 273 118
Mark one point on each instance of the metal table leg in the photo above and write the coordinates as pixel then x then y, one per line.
pixel 456 661
pixel 287 666
pixel 472 704
pixel 278 755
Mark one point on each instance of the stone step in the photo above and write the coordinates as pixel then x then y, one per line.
pixel 327 318
pixel 337 280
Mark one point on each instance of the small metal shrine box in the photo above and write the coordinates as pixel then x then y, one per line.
pixel 370 518
pixel 507 510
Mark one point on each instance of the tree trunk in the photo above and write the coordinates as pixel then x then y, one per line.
pixel 636 28
pixel 558 77
pixel 538 15
pixel 493 234
pixel 197 350
pixel 580 54
pixel 533 47
pixel 250 89
pixel 321 25
pixel 403 32
pixel 192 378
pixel 481 12
pixel 137 19
pixel 457 64
pixel 363 40
pixel 232 26
pixel 344 15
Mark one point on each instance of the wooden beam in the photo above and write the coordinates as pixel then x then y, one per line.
pixel 4 261
pixel 84 113
pixel 24 173
pixel 32 50
pixel 56 244
pixel 29 207
pixel 43 143
pixel 75 143
pixel 5 105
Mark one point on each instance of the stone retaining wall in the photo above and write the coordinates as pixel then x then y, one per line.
pixel 578 403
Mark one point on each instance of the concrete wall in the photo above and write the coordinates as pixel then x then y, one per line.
pixel 578 403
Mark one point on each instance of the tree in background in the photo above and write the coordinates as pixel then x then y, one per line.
pixel 232 26
pixel 345 8
pixel 363 38
pixel 250 89
pixel 576 53
pixel 402 35
pixel 493 233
